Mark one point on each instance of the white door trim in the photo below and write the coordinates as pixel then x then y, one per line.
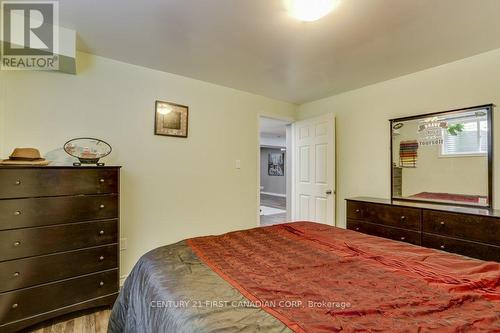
pixel 292 198
pixel 289 174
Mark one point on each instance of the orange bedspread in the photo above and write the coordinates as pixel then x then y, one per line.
pixel 317 278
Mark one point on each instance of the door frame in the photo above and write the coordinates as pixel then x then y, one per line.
pixel 288 164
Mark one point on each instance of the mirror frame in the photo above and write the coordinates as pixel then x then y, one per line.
pixel 490 108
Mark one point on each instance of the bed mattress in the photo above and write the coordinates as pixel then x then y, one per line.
pixel 306 277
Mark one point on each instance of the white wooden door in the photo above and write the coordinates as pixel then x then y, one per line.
pixel 314 165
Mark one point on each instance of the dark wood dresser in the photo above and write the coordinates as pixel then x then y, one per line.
pixel 58 241
pixel 473 232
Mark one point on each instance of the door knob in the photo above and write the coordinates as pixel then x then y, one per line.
pixel 328 192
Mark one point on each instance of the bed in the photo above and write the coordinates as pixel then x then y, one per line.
pixel 450 197
pixel 306 277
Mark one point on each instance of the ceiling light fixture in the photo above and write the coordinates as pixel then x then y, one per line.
pixel 310 10
pixel 164 109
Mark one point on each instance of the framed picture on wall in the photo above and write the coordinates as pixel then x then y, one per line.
pixel 171 119
pixel 276 164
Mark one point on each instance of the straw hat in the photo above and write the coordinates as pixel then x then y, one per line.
pixel 25 156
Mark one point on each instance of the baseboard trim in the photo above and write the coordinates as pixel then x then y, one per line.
pixel 274 194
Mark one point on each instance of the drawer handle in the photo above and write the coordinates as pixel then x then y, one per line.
pixel 15 305
pixel 442 247
pixel 442 222
pixel 101 284
pixel 16 274
pixel 357 228
pixel 101 180
pixel 101 206
pixel 101 232
pixel 101 258
pixel 403 238
pixel 17 243
pixel 358 211
pixel 18 182
pixel 403 218
pixel 17 213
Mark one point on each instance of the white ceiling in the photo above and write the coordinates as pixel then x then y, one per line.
pixel 253 45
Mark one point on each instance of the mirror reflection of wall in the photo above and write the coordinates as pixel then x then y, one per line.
pixel 443 157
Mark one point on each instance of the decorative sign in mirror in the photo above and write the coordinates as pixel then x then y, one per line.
pixel 444 157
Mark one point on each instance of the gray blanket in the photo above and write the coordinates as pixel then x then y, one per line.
pixel 171 290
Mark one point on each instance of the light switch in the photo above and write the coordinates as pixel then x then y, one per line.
pixel 238 164
pixel 123 244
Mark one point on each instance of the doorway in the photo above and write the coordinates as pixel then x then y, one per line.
pixel 275 164
pixel 296 170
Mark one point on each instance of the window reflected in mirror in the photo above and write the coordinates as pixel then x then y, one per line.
pixel 443 157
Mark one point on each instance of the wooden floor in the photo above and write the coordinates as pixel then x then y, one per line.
pixel 272 201
pixel 89 321
pixel 275 202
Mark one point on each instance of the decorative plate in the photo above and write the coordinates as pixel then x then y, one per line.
pixel 87 150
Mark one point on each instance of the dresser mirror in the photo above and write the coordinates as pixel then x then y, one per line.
pixel 443 157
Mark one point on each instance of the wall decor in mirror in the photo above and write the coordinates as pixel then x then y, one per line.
pixel 443 157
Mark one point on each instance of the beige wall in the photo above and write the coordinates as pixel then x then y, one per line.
pixel 363 157
pixel 172 188
pixel 458 175
pixel 435 173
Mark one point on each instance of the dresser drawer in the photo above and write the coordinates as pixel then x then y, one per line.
pixel 23 183
pixel 407 236
pixel 20 243
pixel 21 213
pixel 395 216
pixel 466 248
pixel 475 228
pixel 21 273
pixel 31 301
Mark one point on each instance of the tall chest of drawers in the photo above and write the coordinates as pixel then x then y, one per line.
pixel 59 239
pixel 473 232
